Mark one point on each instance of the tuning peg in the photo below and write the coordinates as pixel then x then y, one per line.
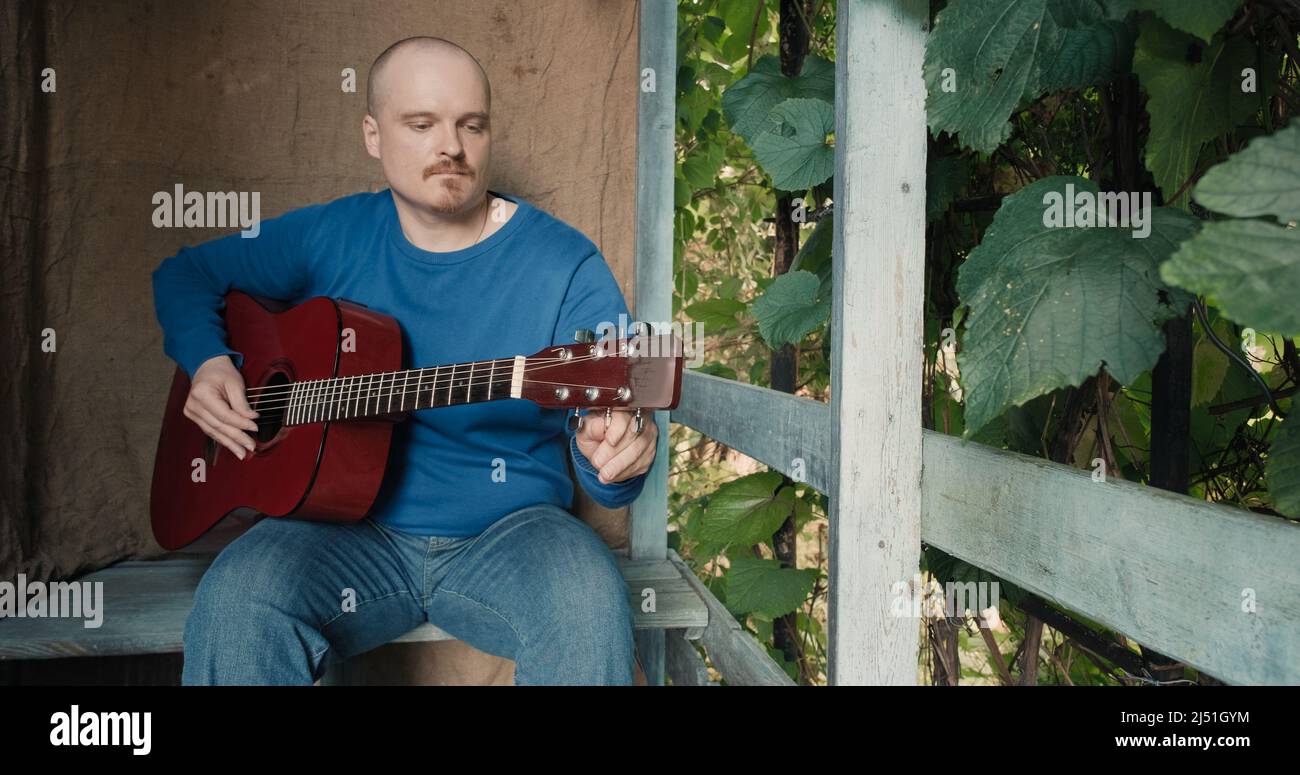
pixel 584 336
pixel 640 422
pixel 575 420
pixel 640 328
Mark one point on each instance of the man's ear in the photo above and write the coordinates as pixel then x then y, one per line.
pixel 370 134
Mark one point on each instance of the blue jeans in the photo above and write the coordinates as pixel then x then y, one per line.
pixel 539 586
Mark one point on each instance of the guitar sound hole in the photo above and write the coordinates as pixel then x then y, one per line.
pixel 270 406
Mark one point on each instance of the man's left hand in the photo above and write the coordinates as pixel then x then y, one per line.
pixel 618 453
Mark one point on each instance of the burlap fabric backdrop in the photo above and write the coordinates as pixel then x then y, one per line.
pixel 239 96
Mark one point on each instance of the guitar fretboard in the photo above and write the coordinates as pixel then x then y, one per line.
pixel 394 392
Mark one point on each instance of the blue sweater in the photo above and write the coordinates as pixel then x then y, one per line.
pixel 527 286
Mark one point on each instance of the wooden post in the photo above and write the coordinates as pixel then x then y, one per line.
pixel 656 120
pixel 876 319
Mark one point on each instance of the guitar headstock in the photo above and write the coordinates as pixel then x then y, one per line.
pixel 641 372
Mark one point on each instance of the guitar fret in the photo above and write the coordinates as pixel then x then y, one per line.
pixel 379 394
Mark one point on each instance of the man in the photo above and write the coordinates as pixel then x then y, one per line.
pixel 471 529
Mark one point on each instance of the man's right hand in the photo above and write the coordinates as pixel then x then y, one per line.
pixel 217 405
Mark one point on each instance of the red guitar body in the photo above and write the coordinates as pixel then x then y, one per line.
pixel 320 471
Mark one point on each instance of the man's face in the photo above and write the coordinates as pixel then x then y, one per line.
pixel 432 135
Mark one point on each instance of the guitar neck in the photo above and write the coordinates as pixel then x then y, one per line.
pixel 395 392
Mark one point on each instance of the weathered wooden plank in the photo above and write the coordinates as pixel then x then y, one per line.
pixel 788 433
pixel 1169 571
pixel 1020 517
pixel 144 607
pixel 876 336
pixel 682 663
pixel 146 604
pixel 655 168
pixel 656 111
pixel 733 651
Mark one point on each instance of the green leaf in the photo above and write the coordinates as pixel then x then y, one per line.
pixel 1251 270
pixel 997 53
pixel 701 167
pixel 1050 306
pixel 739 15
pixel 711 29
pixel 991 50
pixel 795 151
pixel 1283 467
pixel 1092 49
pixel 1202 18
pixel 763 586
pixel 1262 179
pixel 1209 366
pixel 729 288
pixel 735 47
pixel 717 370
pixel 746 511
pixel 681 192
pixel 790 309
pixel 815 255
pixel 1190 103
pixel 747 102
pixel 716 314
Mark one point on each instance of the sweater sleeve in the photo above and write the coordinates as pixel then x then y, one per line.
pixel 189 288
pixel 594 301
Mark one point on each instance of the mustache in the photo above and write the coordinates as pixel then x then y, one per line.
pixel 431 171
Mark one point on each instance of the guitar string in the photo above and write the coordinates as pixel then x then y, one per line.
pixel 375 391
pixel 272 390
pixel 279 411
pixel 268 389
pixel 335 391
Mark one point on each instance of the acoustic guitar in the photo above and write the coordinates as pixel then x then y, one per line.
pixel 326 378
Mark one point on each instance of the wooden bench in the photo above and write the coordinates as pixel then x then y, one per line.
pixel 146 603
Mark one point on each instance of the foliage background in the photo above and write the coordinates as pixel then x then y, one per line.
pixel 1169 360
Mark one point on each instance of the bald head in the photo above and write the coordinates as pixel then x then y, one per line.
pixel 377 85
